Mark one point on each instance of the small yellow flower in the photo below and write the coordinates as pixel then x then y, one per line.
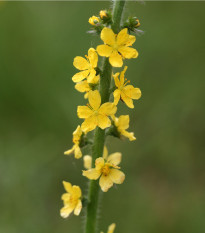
pixel 84 86
pixel 103 14
pixel 122 123
pixel 125 92
pixel 106 168
pixel 93 20
pixel 76 140
pixel 71 199
pixel 87 66
pixel 116 47
pixel 94 113
pixel 111 228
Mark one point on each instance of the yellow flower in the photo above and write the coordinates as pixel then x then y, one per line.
pixel 71 199
pixel 103 14
pixel 116 47
pixel 125 92
pixel 94 113
pixel 87 66
pixel 76 140
pixel 84 86
pixel 111 228
pixel 93 20
pixel 107 170
pixel 122 123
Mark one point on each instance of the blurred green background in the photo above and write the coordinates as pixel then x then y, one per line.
pixel 164 187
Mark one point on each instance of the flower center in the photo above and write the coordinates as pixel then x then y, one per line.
pixel 115 46
pixel 95 112
pixel 106 170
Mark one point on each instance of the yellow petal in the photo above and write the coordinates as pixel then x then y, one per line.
pixel 68 152
pixel 115 59
pixel 78 153
pixel 116 95
pixel 132 92
pixel 89 124
pixel 111 228
pixel 127 100
pixel 130 40
pixel 80 63
pixel 78 208
pixel 94 80
pixel 99 163
pixel 93 57
pixel 94 99
pixel 108 36
pixel 136 93
pixel 122 76
pixel 86 95
pixel 76 192
pixel 128 52
pixel 116 79
pixel 91 76
pixel 123 122
pixel 117 176
pixel 115 158
pixel 65 197
pixel 84 112
pixel 66 211
pixel 82 86
pixel 80 76
pixel 68 187
pixel 107 109
pixel 122 37
pixel 129 135
pixel 105 183
pixel 105 152
pixel 104 50
pixel 92 174
pixel 103 121
pixel 78 132
pixel 87 159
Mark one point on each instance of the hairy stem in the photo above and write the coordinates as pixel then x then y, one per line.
pixel 99 135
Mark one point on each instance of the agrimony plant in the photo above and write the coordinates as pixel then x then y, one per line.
pixel 100 113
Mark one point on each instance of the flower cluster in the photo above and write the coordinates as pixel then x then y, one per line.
pixel 116 48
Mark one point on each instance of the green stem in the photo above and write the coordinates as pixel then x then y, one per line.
pixel 99 136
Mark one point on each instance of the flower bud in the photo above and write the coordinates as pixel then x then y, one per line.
pixel 103 14
pixel 93 20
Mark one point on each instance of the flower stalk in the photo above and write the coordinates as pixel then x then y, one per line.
pixel 99 113
pixel 99 135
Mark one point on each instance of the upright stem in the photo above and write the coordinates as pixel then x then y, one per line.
pixel 99 136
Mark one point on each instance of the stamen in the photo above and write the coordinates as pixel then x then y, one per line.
pixel 126 82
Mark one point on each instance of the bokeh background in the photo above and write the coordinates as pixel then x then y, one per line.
pixel 164 187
